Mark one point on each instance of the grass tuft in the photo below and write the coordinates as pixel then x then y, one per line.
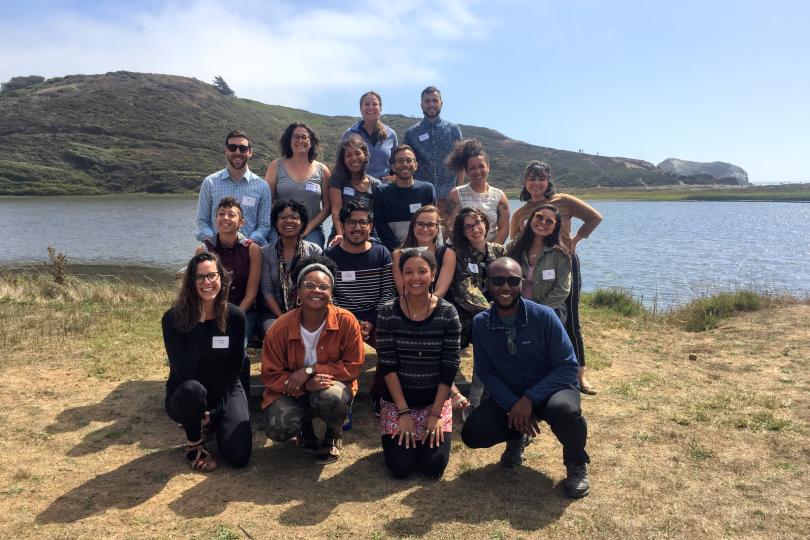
pixel 706 313
pixel 619 300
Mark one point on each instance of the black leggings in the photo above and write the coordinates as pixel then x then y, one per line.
pixel 572 327
pixel 230 418
pixel 487 425
pixel 429 461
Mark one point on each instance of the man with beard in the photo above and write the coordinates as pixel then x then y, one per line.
pixel 432 140
pixel 237 181
pixel 399 200
pixel 528 366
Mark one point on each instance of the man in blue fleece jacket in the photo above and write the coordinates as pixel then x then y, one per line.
pixel 528 366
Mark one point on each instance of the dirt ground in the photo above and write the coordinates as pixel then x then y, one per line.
pixel 712 446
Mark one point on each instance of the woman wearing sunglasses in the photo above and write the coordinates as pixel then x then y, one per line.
pixel 545 261
pixel 310 362
pixel 418 357
pixel 204 337
pixel 298 176
pixel 538 190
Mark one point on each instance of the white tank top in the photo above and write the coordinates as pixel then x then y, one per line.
pixel 487 202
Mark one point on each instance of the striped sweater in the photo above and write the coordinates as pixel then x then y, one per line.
pixel 422 353
pixel 364 281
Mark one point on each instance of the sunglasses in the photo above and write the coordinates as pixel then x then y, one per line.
pixel 539 218
pixel 499 281
pixel 243 148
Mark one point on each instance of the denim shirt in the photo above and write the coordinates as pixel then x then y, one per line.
pixel 432 143
pixel 533 358
pixel 253 194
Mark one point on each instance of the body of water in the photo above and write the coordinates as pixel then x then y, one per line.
pixel 664 252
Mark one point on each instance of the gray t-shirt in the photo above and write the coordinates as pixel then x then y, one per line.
pixel 307 192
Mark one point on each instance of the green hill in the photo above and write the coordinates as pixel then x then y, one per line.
pixel 134 132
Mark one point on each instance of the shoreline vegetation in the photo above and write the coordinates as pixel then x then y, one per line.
pixel 768 193
pixel 700 429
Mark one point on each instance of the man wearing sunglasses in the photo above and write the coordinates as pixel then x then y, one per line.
pixel 237 181
pixel 528 366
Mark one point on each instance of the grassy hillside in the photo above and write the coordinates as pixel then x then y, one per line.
pixel 133 132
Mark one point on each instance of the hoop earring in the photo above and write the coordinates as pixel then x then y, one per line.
pixel 297 300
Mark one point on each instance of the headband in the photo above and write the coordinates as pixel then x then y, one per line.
pixel 309 268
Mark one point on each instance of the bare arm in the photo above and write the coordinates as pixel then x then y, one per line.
pixel 451 210
pixel 460 177
pixel 325 203
pixel 395 256
pixel 336 200
pixel 271 177
pixel 503 220
pixel 254 273
pixel 445 278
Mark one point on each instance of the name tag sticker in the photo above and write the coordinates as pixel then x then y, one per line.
pixel 312 186
pixel 549 274
pixel 424 136
pixel 415 206
pixel 347 275
pixel 348 191
pixel 472 267
pixel 248 201
pixel 220 342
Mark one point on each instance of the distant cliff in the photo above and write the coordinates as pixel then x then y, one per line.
pixel 126 132
pixel 723 173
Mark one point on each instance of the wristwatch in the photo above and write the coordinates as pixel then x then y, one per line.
pixel 310 371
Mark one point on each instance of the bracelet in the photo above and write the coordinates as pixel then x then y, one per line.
pixel 404 411
pixel 435 415
pixel 454 393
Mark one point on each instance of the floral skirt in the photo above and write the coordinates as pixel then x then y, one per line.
pixel 389 419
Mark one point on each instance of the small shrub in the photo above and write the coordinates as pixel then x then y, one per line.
pixel 57 265
pixel 618 300
pixel 706 313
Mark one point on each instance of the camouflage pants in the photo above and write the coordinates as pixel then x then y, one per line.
pixel 283 419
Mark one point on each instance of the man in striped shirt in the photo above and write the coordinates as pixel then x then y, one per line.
pixel 364 281
pixel 237 181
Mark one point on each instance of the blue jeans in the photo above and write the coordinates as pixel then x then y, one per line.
pixel 316 236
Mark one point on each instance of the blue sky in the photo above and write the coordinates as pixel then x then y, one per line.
pixel 704 81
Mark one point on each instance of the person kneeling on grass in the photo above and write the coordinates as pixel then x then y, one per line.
pixel 311 359
pixel 205 341
pixel 418 351
pixel 527 364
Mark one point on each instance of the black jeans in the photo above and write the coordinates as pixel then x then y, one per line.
pixel 571 322
pixel 429 461
pixel 487 425
pixel 230 418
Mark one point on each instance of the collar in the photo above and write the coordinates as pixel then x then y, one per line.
pixel 435 122
pixel 247 176
pixel 521 318
pixel 295 324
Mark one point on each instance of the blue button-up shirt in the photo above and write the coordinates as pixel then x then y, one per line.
pixel 253 194
pixel 432 142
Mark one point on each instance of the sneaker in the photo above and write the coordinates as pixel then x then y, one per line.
pixel 329 451
pixel 576 482
pixel 513 455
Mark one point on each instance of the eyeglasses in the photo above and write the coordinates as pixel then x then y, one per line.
pixel 470 226
pixel 311 286
pixel 358 222
pixel 404 161
pixel 210 276
pixel 302 138
pixel 500 281
pixel 243 148
pixel 429 225
pixel 540 218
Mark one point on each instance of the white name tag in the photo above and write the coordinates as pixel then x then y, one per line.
pixel 424 136
pixel 220 342
pixel 312 186
pixel 549 274
pixel 248 201
pixel 348 191
pixel 415 207
pixel 420 249
pixel 347 275
pixel 473 267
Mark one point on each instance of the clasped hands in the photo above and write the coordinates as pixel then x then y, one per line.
pixel 299 382
pixel 521 417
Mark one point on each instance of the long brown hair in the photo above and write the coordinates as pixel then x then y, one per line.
pixel 379 128
pixel 524 241
pixel 410 239
pixel 187 306
pixel 460 242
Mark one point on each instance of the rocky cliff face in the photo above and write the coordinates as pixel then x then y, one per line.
pixel 715 169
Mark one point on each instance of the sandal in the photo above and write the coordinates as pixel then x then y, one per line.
pixel 329 451
pixel 199 457
pixel 458 399
pixel 589 390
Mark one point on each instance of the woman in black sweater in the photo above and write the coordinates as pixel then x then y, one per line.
pixel 418 355
pixel 205 341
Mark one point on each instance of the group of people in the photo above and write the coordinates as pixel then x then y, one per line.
pixel 419 264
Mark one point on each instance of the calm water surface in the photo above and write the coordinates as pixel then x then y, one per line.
pixel 666 252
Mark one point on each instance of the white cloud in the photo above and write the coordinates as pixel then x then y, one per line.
pixel 277 52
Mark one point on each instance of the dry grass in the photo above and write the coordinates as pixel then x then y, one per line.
pixel 711 447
